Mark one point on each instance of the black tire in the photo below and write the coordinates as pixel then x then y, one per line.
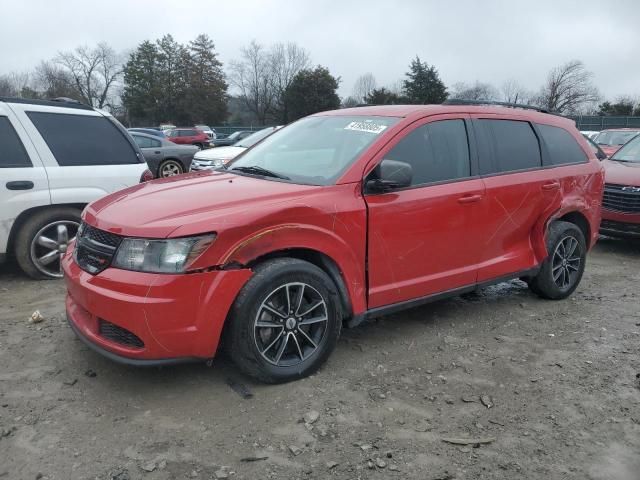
pixel 244 344
pixel 560 275
pixel 172 165
pixel 25 237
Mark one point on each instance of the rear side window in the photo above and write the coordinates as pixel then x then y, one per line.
pixel 437 152
pixel 77 140
pixel 145 142
pixel 561 145
pixel 12 152
pixel 507 146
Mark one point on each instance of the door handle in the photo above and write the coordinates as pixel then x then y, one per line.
pixel 157 152
pixel 20 185
pixel 470 199
pixel 551 186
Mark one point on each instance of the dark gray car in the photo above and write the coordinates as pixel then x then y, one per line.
pixel 164 158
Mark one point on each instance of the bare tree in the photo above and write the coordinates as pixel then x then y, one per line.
pixel 286 60
pixel 568 88
pixel 350 102
pixel 513 92
pixel 478 91
pixel 94 72
pixel 54 81
pixel 14 84
pixel 252 75
pixel 363 86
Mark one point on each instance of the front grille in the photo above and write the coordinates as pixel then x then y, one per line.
pixel 100 236
pixel 620 227
pixel 95 249
pixel 118 334
pixel 621 198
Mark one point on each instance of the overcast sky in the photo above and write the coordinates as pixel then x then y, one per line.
pixel 466 40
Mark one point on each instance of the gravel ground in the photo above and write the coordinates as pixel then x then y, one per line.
pixel 539 389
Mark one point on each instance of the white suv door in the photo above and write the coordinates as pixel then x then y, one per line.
pixel 23 179
pixel 87 155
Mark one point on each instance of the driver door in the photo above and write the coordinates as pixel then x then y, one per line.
pixel 422 238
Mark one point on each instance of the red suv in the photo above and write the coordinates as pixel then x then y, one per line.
pixel 621 202
pixel 189 136
pixel 337 217
pixel 612 139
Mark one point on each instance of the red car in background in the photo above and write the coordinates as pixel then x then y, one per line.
pixel 621 201
pixel 610 140
pixel 189 136
pixel 337 217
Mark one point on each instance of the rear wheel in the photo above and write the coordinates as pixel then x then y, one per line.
pixel 169 168
pixel 562 271
pixel 43 239
pixel 285 322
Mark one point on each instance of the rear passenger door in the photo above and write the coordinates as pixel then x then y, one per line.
pixel 150 148
pixel 86 155
pixel 520 193
pixel 23 180
pixel 420 238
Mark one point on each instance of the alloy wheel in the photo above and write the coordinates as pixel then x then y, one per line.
pixel 565 266
pixel 170 169
pixel 290 324
pixel 50 243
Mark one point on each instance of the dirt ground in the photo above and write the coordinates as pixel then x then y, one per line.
pixel 550 387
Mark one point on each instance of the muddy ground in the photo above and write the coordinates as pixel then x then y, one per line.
pixel 551 386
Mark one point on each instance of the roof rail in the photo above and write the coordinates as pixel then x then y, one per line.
pixel 455 101
pixel 56 102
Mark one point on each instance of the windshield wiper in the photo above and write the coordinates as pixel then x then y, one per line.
pixel 255 169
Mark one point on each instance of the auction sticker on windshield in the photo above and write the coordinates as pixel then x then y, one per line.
pixel 366 126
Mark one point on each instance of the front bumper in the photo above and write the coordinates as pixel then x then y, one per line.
pixel 176 318
pixel 615 224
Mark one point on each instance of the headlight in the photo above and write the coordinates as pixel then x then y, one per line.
pixel 172 255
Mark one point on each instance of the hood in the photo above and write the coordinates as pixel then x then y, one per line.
pixel 220 153
pixel 193 203
pixel 621 173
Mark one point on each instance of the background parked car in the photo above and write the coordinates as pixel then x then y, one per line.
pixel 590 133
pixel 621 199
pixel 211 132
pixel 217 157
pixel 55 157
pixel 150 131
pixel 595 147
pixel 189 136
pixel 164 158
pixel 167 126
pixel 612 139
pixel 233 138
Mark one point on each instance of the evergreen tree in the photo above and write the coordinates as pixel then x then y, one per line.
pixel 423 84
pixel 142 92
pixel 312 91
pixel 207 94
pixel 382 96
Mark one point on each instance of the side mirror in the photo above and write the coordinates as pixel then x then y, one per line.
pixel 390 175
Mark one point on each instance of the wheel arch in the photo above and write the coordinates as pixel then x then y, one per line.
pixel 578 219
pixel 320 260
pixel 22 218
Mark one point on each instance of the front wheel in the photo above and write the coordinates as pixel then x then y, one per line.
pixel 562 271
pixel 285 322
pixel 43 239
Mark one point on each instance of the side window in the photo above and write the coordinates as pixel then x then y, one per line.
pixel 143 142
pixel 77 140
pixel 12 152
pixel 562 147
pixel 155 143
pixel 437 151
pixel 507 146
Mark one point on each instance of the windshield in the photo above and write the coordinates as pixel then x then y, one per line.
pixel 315 150
pixel 629 153
pixel 614 137
pixel 254 138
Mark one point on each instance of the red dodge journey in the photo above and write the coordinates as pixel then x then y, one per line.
pixel 337 217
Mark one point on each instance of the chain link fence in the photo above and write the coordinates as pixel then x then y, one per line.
pixel 596 122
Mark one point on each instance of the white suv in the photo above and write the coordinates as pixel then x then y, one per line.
pixel 55 157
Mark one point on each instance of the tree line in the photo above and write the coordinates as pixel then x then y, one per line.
pixel 186 84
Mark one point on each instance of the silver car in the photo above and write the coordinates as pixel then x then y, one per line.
pixel 163 157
